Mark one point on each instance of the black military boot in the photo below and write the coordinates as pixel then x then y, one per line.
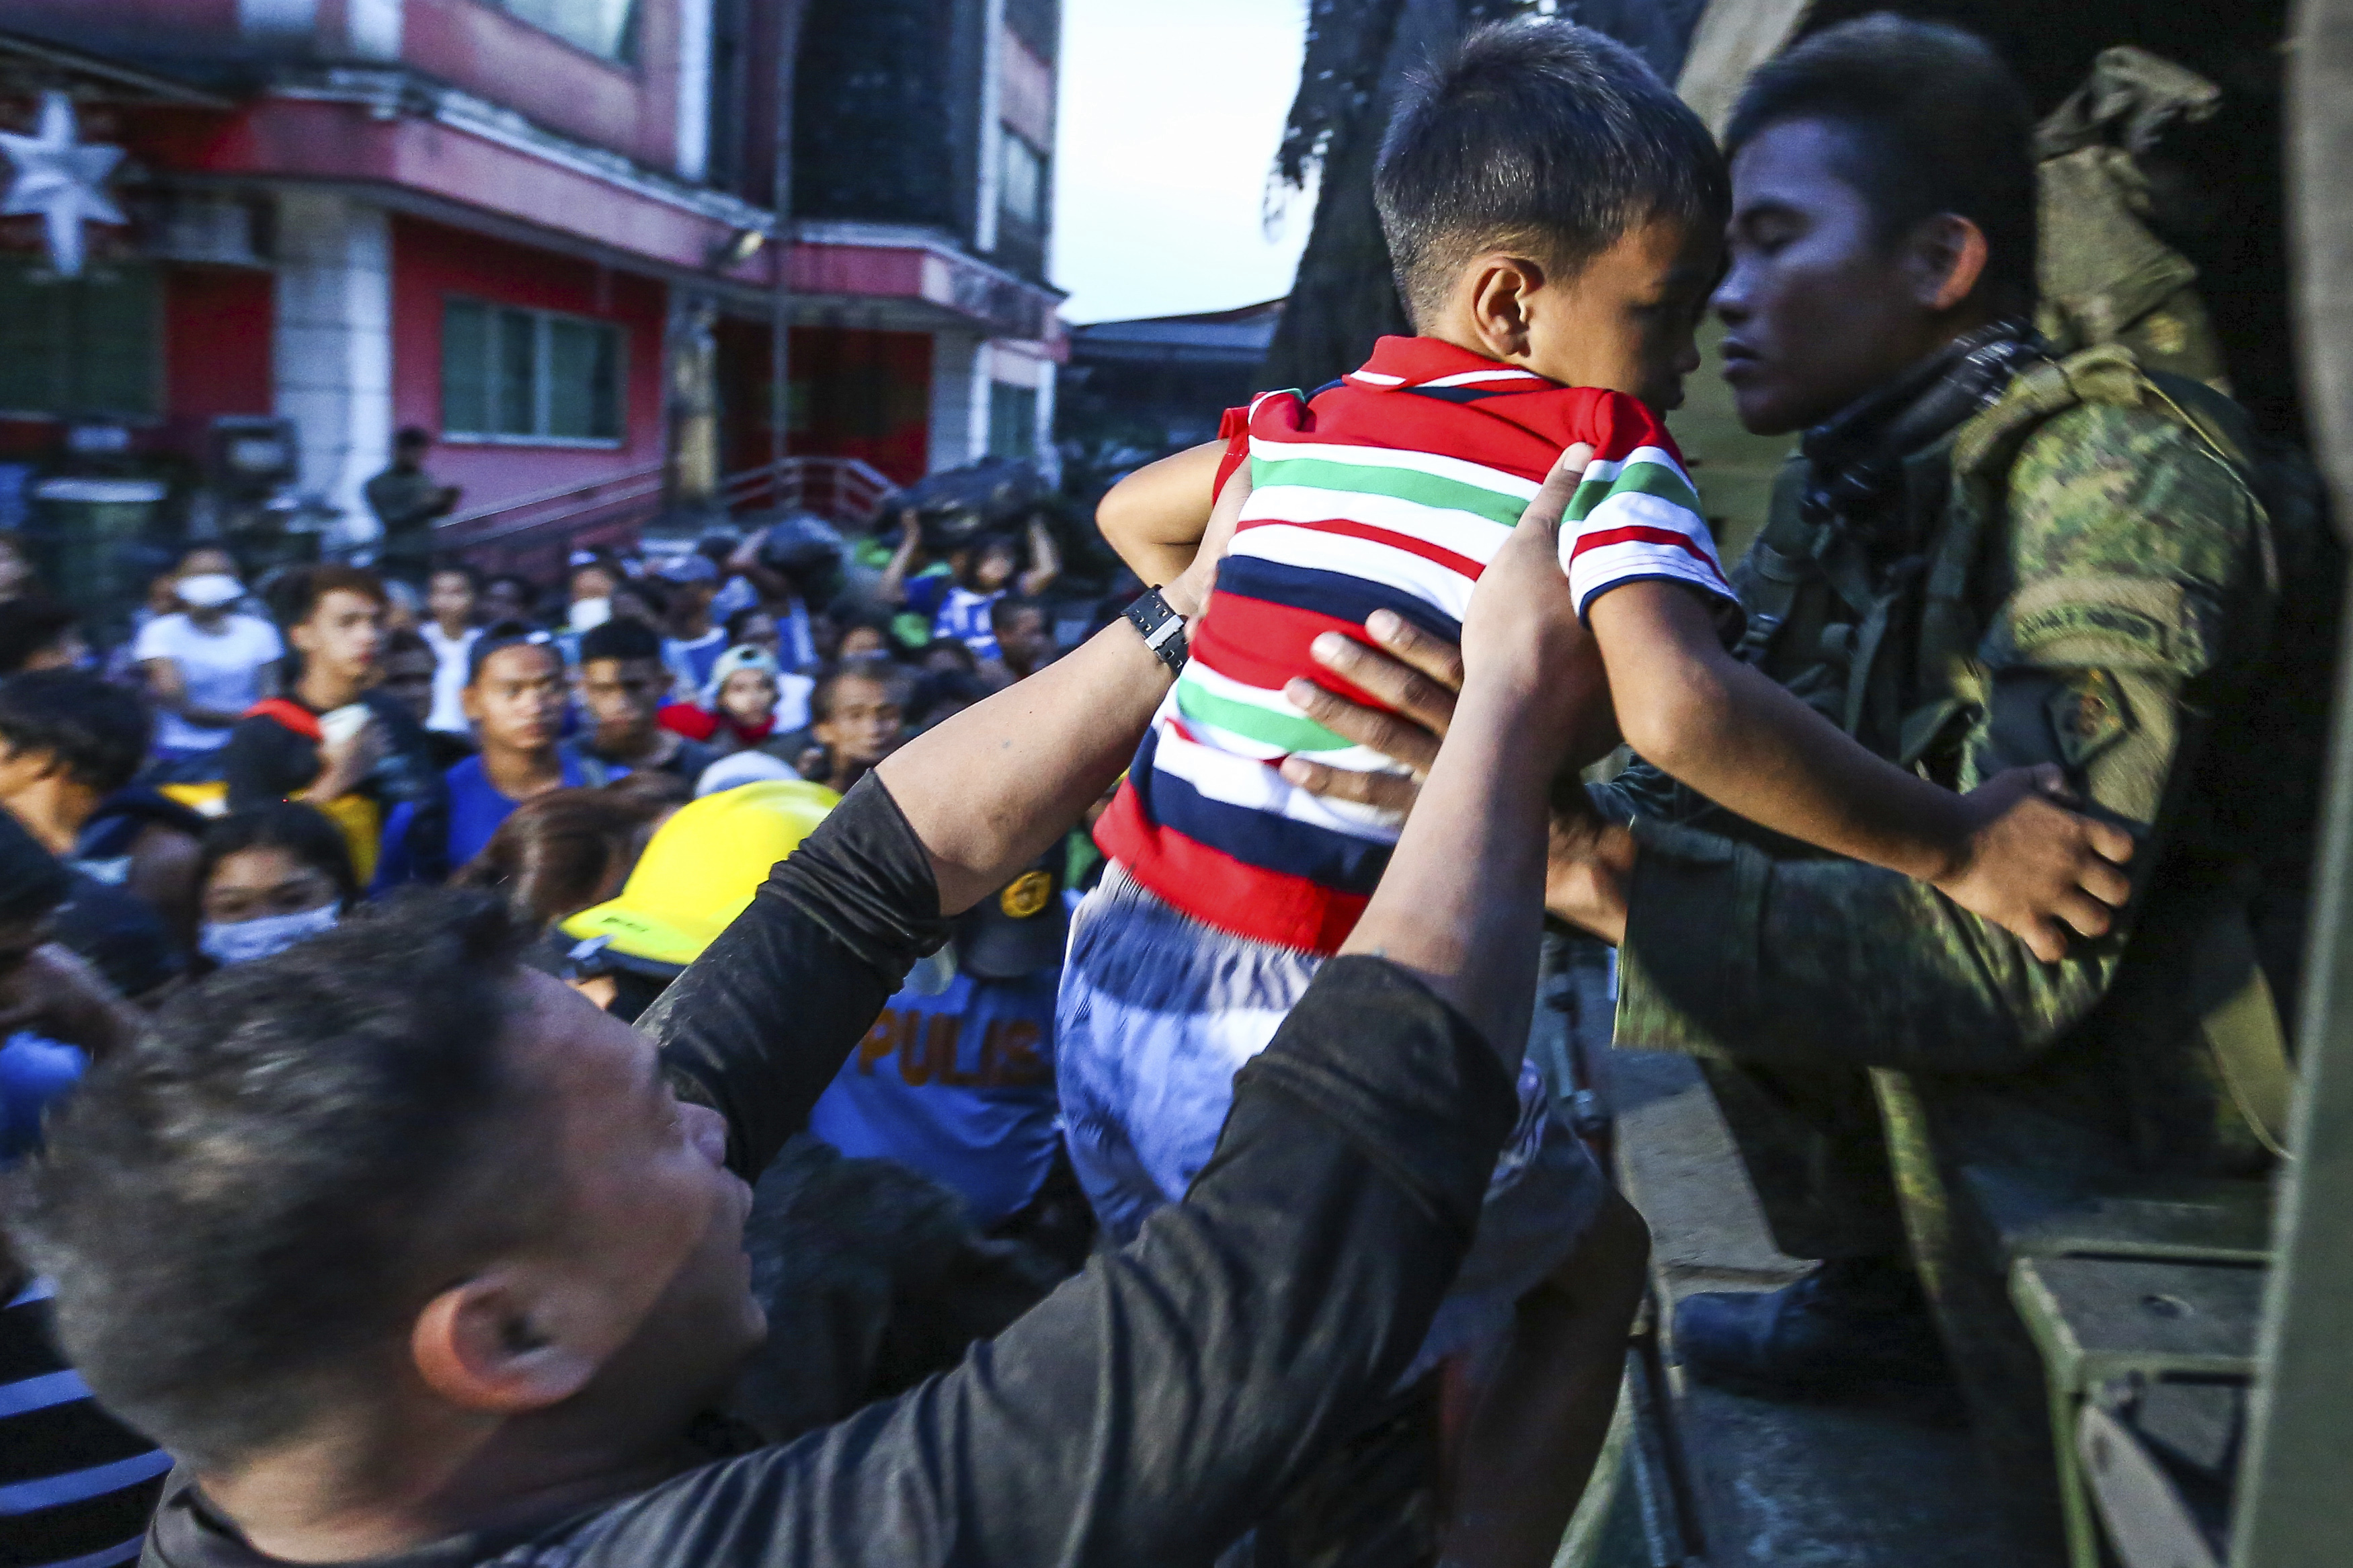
pixel 1851 1328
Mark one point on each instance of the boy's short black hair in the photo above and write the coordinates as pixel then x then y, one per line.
pixel 1931 122
pixel 622 638
pixel 1540 134
pixel 97 731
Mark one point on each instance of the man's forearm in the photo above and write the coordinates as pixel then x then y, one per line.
pixel 988 791
pixel 1730 947
pixel 759 1024
pixel 1155 1407
pixel 1462 902
pixel 1154 518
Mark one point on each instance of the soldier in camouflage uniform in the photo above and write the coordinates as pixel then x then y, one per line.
pixel 1991 550
pixel 1991 555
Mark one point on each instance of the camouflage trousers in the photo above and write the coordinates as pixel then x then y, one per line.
pixel 1851 1161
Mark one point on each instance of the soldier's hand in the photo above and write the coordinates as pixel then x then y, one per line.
pixel 2034 867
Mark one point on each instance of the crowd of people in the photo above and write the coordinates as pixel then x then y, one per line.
pixel 617 758
pixel 611 1029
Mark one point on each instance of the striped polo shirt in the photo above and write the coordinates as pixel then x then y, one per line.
pixel 76 1485
pixel 1390 488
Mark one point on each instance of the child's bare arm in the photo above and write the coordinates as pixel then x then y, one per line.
pixel 2004 851
pixel 1155 516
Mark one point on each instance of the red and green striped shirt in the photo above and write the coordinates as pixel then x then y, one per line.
pixel 1388 490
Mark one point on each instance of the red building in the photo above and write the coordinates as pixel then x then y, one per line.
pixel 544 230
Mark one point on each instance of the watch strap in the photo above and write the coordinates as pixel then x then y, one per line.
pixel 1161 628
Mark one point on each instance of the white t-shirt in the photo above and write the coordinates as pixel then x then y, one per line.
pixel 449 655
pixel 221 670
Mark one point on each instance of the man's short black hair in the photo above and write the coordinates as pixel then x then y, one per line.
pixel 623 636
pixel 302 591
pixel 410 436
pixel 1537 134
pixel 27 626
pixel 888 673
pixel 1931 122
pixel 97 731
pixel 1008 606
pixel 244 1212
pixel 498 638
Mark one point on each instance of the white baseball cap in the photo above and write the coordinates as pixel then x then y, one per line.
pixel 742 768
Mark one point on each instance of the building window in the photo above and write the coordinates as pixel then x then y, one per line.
pixel 509 375
pixel 607 28
pixel 79 347
pixel 1012 420
pixel 1022 193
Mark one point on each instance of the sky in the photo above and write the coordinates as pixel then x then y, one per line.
pixel 1170 114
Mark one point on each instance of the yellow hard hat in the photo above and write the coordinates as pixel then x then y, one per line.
pixel 701 868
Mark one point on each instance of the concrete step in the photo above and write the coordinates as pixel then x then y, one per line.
pixel 1788 1485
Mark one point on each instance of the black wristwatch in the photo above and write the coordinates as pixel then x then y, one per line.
pixel 1162 627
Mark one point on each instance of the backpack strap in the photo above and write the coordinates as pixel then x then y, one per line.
pixel 290 714
pixel 1778 566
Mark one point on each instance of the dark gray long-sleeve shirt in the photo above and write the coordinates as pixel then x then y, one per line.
pixel 1154 1408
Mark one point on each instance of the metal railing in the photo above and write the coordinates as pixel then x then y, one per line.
pixel 839 489
pixel 534 534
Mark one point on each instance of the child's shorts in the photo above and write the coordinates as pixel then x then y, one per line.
pixel 1159 1012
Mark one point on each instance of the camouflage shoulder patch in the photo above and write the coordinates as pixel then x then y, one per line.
pixel 2087 716
pixel 2107 619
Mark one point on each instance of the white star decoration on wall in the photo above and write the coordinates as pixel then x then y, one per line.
pixel 61 180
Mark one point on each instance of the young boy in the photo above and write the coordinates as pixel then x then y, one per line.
pixel 1554 215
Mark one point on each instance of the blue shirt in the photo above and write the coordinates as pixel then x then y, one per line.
pixel 476 809
pixel 963 616
pixel 34 1071
pixel 960 1086
pixel 691 661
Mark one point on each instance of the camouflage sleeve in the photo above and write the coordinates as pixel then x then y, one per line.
pixel 2132 572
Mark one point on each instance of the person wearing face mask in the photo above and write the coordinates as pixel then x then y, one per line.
pixel 592 584
pixel 267 879
pixel 205 665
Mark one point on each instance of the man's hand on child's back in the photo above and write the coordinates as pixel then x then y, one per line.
pixel 2034 867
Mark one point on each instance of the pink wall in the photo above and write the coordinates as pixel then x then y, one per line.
pixel 216 340
pixel 429 264
pixel 631 109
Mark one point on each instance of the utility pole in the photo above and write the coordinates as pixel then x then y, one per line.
pixel 789 30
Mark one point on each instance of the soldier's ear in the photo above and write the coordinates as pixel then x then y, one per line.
pixel 1944 255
